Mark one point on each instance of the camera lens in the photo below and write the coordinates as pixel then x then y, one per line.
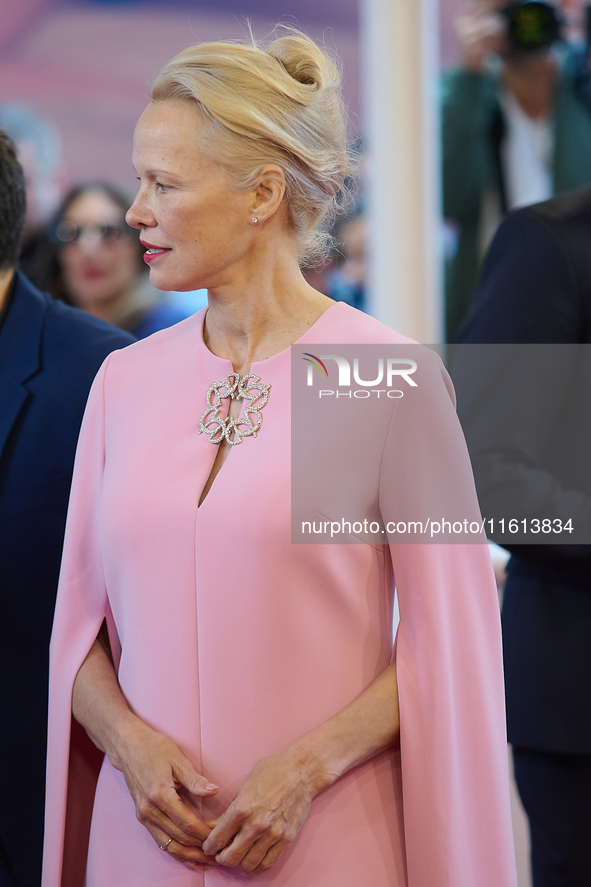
pixel 531 25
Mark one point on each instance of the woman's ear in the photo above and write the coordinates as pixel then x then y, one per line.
pixel 268 193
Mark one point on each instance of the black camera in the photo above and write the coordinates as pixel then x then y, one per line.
pixel 531 25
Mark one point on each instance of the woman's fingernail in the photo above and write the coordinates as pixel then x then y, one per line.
pixel 210 788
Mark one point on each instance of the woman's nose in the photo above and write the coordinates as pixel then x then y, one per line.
pixel 138 216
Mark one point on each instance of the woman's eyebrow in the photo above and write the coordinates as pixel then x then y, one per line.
pixel 155 173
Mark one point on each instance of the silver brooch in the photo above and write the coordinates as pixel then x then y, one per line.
pixel 249 388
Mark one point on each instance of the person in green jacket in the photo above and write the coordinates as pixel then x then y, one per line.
pixel 516 128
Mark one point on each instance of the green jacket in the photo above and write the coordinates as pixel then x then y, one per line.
pixel 472 130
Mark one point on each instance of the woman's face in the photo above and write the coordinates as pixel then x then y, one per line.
pixel 196 228
pixel 96 271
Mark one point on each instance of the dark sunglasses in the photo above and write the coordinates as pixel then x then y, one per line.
pixel 68 232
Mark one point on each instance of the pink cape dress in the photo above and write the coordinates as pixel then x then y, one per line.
pixel 234 641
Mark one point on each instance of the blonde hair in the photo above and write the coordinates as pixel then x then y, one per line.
pixel 280 104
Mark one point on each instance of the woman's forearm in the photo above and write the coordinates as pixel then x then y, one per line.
pixel 354 735
pixel 370 724
pixel 154 767
pixel 99 705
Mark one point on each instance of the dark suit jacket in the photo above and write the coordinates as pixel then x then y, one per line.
pixel 536 288
pixel 49 355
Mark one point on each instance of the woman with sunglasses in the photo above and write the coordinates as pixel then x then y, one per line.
pixel 100 265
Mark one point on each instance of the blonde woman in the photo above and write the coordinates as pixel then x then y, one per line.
pixel 248 690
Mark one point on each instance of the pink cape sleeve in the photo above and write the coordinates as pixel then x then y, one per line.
pixel 77 620
pixel 449 664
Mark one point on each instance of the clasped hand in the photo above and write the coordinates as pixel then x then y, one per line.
pixel 260 823
pixel 264 817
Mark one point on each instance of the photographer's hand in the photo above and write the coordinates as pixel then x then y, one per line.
pixel 481 32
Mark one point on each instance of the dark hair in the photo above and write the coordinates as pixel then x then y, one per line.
pixel 116 194
pixel 13 203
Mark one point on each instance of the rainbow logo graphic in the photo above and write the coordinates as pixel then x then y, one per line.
pixel 315 362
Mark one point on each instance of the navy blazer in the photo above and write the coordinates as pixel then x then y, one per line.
pixel 49 355
pixel 535 287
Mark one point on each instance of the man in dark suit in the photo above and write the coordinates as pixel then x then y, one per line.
pixel 536 288
pixel 49 355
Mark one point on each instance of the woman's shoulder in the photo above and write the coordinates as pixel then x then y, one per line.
pixel 145 364
pixel 343 324
pixel 163 343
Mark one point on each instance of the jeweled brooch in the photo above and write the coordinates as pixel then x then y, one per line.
pixel 249 388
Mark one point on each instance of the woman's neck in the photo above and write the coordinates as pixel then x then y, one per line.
pixel 262 316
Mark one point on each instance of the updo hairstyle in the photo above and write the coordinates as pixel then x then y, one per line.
pixel 275 105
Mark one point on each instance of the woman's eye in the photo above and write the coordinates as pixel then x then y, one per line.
pixel 162 187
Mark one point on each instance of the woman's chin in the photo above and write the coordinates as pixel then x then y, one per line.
pixel 172 282
pixel 162 280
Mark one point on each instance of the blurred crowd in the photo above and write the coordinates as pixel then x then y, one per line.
pixel 516 130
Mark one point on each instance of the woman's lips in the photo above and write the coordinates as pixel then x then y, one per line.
pixel 93 273
pixel 153 252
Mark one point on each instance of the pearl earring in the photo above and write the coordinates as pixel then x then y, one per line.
pixel 254 220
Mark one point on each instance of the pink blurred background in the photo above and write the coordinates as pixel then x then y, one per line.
pixel 87 66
